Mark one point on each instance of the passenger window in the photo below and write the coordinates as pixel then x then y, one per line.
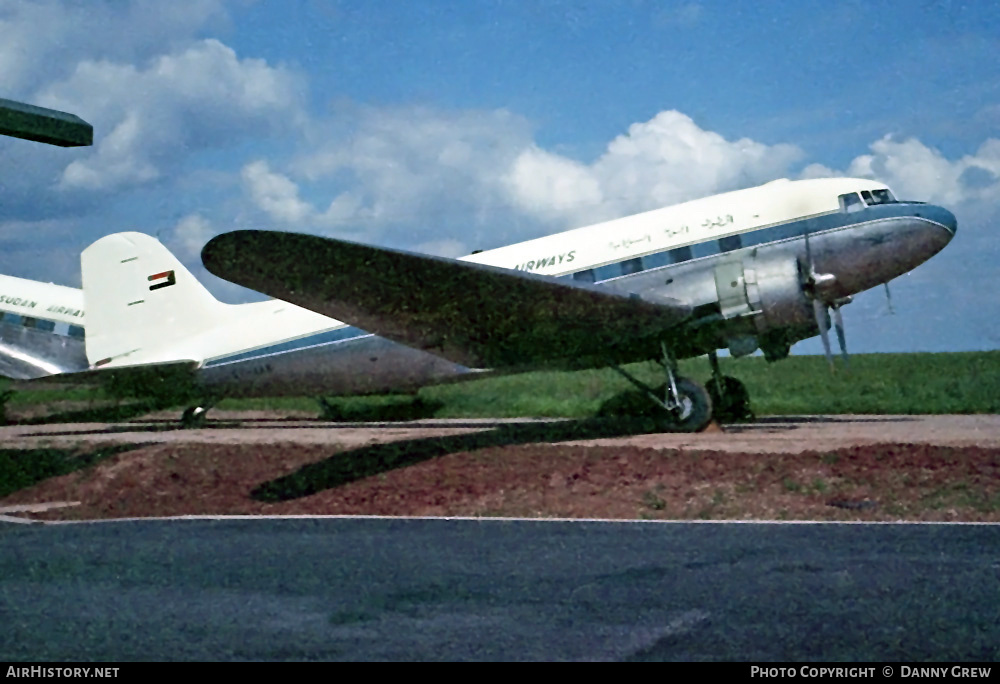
pixel 851 202
pixel 655 260
pixel 704 249
pixel 680 254
pixel 12 318
pixel 728 244
pixel 607 272
pixel 47 326
pixel 630 266
pixel 29 322
pixel 76 331
pixel 584 276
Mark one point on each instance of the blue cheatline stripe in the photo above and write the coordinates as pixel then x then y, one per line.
pixel 44 324
pixel 776 233
pixel 337 335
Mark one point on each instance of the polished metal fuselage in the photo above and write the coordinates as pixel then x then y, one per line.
pixel 358 366
pixel 869 249
pixel 28 353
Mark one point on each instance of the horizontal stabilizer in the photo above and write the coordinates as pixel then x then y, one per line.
pixel 473 314
pixel 172 381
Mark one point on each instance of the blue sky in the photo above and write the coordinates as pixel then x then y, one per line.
pixel 451 126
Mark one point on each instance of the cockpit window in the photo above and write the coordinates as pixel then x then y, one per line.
pixel 851 202
pixel 882 197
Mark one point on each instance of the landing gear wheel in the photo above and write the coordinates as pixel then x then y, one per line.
pixel 194 417
pixel 733 402
pixel 695 410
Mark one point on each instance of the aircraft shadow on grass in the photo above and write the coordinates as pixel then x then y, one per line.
pixel 414 409
pixel 349 466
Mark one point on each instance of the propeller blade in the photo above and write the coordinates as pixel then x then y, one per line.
pixel 819 309
pixel 888 299
pixel 838 320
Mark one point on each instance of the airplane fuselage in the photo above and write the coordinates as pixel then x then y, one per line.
pixel 751 296
pixel 357 365
pixel 739 259
pixel 41 329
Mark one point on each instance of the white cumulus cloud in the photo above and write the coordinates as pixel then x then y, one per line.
pixel 276 194
pixel 467 174
pixel 148 118
pixel 665 160
pixel 44 40
pixel 190 235
pixel 917 171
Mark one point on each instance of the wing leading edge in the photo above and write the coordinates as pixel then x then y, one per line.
pixel 473 314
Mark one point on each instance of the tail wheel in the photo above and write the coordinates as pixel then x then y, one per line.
pixel 194 417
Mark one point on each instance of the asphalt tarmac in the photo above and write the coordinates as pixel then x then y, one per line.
pixel 436 589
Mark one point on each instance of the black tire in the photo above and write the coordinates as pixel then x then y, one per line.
pixel 733 403
pixel 696 411
pixel 194 417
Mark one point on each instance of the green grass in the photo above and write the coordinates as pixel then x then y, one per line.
pixel 961 382
pixel 26 397
pixel 877 383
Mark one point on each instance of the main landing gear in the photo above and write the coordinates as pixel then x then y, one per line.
pixel 686 405
pixel 730 398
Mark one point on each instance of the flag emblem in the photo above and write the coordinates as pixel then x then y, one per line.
pixel 166 279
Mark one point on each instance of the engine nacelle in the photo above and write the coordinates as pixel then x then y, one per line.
pixel 763 303
pixel 774 288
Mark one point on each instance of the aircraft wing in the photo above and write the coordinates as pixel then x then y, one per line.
pixel 476 315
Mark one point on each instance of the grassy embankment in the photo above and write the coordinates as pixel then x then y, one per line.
pixel 966 382
pixel 876 383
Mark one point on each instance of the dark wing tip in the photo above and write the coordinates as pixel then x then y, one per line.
pixel 223 251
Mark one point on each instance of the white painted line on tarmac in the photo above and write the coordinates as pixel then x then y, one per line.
pixel 17 521
pixel 503 519
pixel 37 507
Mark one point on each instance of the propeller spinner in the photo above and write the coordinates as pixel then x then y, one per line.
pixel 815 284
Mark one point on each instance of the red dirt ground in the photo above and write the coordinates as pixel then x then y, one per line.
pixel 861 482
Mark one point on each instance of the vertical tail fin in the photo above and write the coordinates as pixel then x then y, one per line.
pixel 143 305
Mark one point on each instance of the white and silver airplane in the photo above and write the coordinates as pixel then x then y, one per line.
pixel 41 329
pixel 154 331
pixel 755 268
pixel 752 269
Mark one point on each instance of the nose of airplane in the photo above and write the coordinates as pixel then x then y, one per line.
pixel 941 216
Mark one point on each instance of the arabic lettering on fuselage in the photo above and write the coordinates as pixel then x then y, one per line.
pixel 553 260
pixel 680 230
pixel 628 242
pixel 718 221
